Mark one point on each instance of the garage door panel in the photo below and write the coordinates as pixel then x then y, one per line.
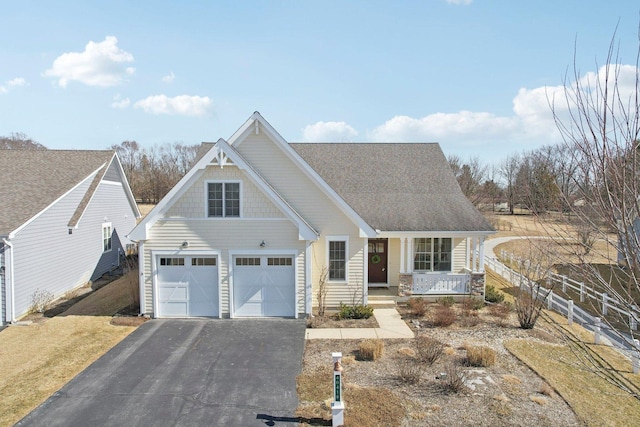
pixel 187 287
pixel 264 286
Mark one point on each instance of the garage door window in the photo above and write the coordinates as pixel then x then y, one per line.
pixel 171 261
pixel 248 261
pixel 203 261
pixel 279 261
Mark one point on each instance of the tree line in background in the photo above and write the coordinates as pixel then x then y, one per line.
pixel 152 172
pixel 540 180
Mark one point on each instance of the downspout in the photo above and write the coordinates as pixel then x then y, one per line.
pixel 308 281
pixel 141 267
pixel 11 303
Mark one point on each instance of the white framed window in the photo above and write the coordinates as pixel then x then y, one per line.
pixel 432 254
pixel 106 236
pixel 337 258
pixel 223 199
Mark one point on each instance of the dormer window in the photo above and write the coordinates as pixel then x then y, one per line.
pixel 223 199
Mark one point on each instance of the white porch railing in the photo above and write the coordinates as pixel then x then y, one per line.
pixel 440 283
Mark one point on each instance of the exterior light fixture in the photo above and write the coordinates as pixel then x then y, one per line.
pixel 185 244
pixel 263 244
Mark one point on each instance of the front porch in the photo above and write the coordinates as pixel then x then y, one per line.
pixel 426 266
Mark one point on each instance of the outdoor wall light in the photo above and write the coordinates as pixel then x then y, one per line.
pixel 185 244
pixel 263 244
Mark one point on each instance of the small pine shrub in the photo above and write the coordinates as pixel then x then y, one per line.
pixel 409 370
pixel 446 301
pixel 357 311
pixel 418 306
pixel 370 349
pixel 491 294
pixel 428 349
pixel 480 356
pixel 443 316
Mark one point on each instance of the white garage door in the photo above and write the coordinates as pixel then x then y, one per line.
pixel 187 286
pixel 263 286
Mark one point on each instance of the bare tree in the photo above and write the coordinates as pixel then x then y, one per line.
pixel 509 171
pixel 470 175
pixel 20 141
pixel 599 119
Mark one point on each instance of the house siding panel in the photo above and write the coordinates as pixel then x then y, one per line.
pixel 459 255
pixel 3 297
pixel 113 173
pixel 393 262
pixel 316 207
pixel 47 257
pixel 254 202
pixel 224 236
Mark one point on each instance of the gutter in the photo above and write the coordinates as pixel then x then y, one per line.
pixel 11 301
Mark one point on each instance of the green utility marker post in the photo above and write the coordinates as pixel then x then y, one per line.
pixel 337 406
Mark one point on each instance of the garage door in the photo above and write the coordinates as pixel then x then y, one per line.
pixel 188 286
pixel 263 286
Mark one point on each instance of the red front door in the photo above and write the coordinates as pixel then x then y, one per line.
pixel 377 260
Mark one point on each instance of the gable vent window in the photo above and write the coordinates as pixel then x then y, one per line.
pixel 223 199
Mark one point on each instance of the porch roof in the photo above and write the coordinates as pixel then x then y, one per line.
pixel 396 186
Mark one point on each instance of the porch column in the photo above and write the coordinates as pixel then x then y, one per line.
pixel 365 273
pixel 481 266
pixel 403 243
pixel 410 255
pixel 474 264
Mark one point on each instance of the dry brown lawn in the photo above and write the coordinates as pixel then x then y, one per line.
pixel 37 359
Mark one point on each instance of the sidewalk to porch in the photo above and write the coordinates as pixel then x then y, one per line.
pixel 389 320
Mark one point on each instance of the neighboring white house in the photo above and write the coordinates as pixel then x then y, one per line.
pixel 251 227
pixel 64 215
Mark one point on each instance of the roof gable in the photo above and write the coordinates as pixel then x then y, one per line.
pixel 220 154
pixel 32 180
pixel 396 186
pixel 257 124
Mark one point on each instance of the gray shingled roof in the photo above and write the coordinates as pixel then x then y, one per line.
pixel 30 180
pixel 395 186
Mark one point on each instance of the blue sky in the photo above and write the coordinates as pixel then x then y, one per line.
pixel 471 74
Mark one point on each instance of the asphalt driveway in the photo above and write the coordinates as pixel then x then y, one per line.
pixel 187 373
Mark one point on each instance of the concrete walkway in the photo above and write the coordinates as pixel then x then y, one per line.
pixel 389 320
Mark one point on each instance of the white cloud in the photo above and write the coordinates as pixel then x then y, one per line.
pixel 169 78
pixel 464 125
pixel 328 132
pixel 464 2
pixel 100 64
pixel 119 102
pixel 9 84
pixel 178 105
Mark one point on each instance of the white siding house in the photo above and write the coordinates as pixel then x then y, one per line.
pixel 251 227
pixel 64 217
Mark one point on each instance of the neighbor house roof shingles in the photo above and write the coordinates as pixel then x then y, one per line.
pixel 395 186
pixel 30 180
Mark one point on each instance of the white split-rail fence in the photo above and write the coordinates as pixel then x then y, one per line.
pixel 566 307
